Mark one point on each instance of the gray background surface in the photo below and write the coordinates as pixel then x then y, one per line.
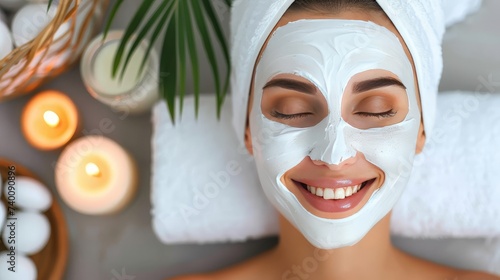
pixel 104 247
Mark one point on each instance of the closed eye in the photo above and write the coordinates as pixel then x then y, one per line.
pixel 282 116
pixel 387 114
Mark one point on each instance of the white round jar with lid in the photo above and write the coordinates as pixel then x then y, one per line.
pixel 133 93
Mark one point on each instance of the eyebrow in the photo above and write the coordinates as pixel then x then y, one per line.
pixel 376 83
pixel 292 85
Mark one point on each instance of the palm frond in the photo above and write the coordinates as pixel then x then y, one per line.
pixel 168 65
pixel 222 42
pixel 193 57
pixel 179 44
pixel 112 16
pixel 49 4
pixel 129 32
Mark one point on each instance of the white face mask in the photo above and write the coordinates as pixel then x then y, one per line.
pixel 329 53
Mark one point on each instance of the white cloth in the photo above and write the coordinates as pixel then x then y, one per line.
pixel 453 190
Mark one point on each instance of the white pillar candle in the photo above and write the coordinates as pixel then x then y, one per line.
pixel 136 92
pixel 95 176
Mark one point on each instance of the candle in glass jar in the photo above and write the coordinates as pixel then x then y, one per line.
pixel 95 176
pixel 135 92
pixel 49 120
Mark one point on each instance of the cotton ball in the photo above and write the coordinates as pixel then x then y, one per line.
pixel 31 232
pixel 24 269
pixel 12 5
pixel 3 215
pixel 30 194
pixel 5 40
pixel 31 20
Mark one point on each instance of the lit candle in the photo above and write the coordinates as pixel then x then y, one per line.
pixel 136 92
pixel 95 176
pixel 49 120
pixel 92 169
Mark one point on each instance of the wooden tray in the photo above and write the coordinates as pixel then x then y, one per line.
pixel 51 261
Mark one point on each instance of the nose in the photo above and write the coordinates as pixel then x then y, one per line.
pixel 346 162
pixel 333 150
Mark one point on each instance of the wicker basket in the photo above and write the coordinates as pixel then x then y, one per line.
pixel 49 54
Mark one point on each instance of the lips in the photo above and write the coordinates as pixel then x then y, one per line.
pixel 335 198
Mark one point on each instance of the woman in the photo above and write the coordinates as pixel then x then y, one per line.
pixel 334 119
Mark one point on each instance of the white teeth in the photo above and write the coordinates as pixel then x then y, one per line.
pixel 329 194
pixel 348 191
pixel 319 191
pixel 339 193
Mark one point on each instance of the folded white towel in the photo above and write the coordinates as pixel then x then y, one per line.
pixel 205 186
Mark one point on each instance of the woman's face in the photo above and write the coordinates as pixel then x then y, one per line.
pixel 334 122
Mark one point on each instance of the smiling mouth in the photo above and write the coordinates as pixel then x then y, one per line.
pixel 336 193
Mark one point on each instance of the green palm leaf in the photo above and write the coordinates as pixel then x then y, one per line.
pixel 222 41
pixel 156 33
pixel 181 51
pixel 143 32
pixel 179 44
pixel 209 50
pixel 112 15
pixel 168 66
pixel 193 57
pixel 129 32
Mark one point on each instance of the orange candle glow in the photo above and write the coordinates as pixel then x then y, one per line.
pixel 49 120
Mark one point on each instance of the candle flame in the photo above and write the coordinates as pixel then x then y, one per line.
pixel 92 169
pixel 51 118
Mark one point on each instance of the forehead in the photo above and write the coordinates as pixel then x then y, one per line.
pixel 379 18
pixel 323 50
